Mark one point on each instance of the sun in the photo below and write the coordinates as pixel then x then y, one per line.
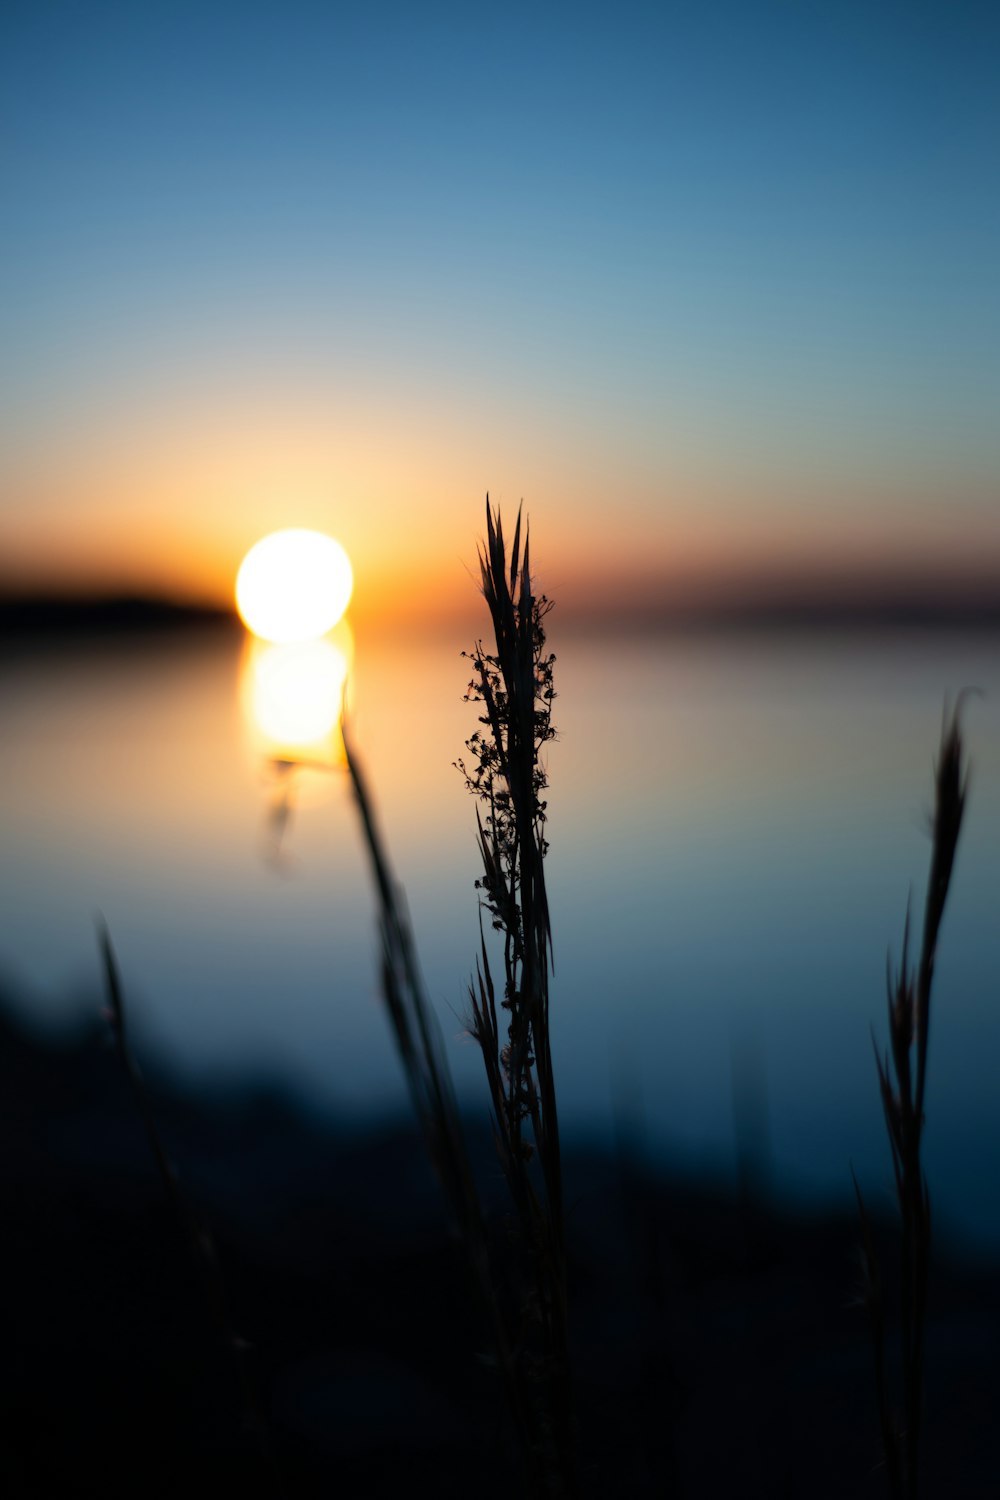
pixel 293 585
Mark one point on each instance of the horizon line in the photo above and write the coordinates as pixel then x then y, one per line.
pixel 121 610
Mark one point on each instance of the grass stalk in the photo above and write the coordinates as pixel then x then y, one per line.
pixel 513 686
pixel 199 1239
pixel 902 1077
pixel 428 1077
pixel 529 1320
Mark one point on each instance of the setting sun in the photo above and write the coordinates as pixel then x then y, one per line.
pixel 294 585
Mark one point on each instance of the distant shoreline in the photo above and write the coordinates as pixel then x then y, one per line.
pixel 35 618
pixel 779 615
pixel 117 614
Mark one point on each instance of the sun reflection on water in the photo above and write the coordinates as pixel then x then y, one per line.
pixel 293 696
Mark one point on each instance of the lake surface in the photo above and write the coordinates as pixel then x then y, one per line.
pixel 735 820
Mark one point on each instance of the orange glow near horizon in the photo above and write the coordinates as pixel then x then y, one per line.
pixel 167 505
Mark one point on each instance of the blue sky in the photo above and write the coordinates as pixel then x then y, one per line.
pixel 726 271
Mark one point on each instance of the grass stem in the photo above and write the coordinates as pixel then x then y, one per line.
pixel 902 1082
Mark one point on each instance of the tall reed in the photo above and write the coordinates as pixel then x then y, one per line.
pixel 513 685
pixel 529 1326
pixel 902 1080
pixel 199 1238
pixel 432 1093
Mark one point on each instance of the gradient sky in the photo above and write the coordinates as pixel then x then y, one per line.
pixel 713 287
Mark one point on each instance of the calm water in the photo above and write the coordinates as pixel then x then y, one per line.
pixel 735 825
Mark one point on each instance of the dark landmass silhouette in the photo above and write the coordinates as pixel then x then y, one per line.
pixel 116 614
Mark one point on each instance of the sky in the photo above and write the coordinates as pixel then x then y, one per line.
pixel 712 288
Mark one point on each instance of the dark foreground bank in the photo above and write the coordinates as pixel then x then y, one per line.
pixel 718 1348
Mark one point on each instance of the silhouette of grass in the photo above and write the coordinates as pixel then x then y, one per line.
pixel 902 1081
pixel 526 1303
pixel 513 684
pixel 199 1239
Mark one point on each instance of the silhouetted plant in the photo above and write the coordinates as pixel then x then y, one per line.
pixel 200 1241
pixel 513 685
pixel 902 1081
pixel 428 1076
pixel 529 1330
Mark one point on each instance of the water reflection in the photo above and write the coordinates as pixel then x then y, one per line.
pixel 294 696
pixel 769 789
